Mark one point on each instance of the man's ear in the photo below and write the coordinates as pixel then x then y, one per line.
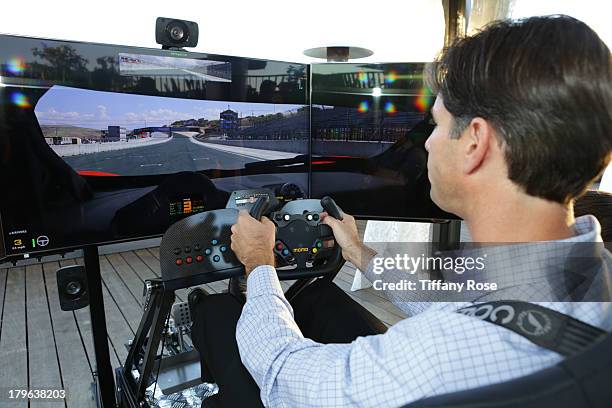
pixel 478 138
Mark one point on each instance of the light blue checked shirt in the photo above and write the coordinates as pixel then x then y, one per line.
pixel 434 351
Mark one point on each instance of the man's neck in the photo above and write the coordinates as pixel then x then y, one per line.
pixel 520 219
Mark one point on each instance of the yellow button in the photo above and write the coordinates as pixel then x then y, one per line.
pixel 314 250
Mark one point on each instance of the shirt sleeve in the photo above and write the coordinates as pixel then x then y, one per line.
pixel 294 371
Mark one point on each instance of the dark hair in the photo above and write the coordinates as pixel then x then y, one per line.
pixel 545 84
pixel 599 204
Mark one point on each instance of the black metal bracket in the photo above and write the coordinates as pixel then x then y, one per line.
pixel 446 236
pixel 143 349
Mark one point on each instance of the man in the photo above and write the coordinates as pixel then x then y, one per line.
pixel 524 125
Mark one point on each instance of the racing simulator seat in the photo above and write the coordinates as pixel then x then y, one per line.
pixel 581 381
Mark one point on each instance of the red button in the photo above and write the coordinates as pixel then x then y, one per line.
pixel 279 246
pixel 179 261
pixel 189 259
pixel 199 258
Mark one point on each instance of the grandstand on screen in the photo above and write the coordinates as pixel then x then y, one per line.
pixel 348 124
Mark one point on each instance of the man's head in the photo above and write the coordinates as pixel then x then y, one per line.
pixel 527 103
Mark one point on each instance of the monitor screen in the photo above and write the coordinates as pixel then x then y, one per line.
pixel 369 127
pixel 102 143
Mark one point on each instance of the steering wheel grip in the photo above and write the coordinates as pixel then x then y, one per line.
pixel 334 262
pixel 259 207
pixel 331 207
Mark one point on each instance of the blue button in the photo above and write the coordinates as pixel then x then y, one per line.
pixel 214 242
pixel 208 251
pixel 216 258
pixel 223 248
pixel 319 244
pixel 285 251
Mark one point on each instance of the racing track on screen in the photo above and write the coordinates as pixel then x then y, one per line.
pixel 181 153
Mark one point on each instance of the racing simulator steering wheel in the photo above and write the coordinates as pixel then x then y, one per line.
pixel 196 249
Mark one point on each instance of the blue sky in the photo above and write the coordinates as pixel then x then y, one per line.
pixel 97 110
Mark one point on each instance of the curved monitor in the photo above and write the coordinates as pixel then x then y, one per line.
pixel 102 143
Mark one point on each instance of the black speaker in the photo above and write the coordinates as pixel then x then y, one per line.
pixel 72 287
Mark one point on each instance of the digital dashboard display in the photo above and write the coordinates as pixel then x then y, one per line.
pixel 186 206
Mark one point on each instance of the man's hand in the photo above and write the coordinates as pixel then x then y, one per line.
pixel 253 241
pixel 347 236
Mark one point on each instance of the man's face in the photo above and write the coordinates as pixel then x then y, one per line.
pixel 442 164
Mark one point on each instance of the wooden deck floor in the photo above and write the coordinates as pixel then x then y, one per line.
pixel 44 347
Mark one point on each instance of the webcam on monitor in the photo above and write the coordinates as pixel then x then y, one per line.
pixel 172 33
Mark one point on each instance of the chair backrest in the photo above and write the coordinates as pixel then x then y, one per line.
pixel 582 381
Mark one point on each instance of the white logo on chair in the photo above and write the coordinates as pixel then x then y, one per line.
pixel 534 322
pixel 488 311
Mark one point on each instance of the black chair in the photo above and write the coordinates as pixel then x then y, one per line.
pixel 581 381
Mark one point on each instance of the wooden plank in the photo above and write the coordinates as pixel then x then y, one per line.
pixel 82 318
pixel 155 252
pixel 128 276
pixel 148 259
pixel 13 346
pixel 118 328
pixel 141 269
pixel 119 332
pixel 76 372
pixel 42 356
pixel 129 308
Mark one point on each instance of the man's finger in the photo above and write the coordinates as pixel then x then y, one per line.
pixel 331 221
pixel 244 214
pixel 234 229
